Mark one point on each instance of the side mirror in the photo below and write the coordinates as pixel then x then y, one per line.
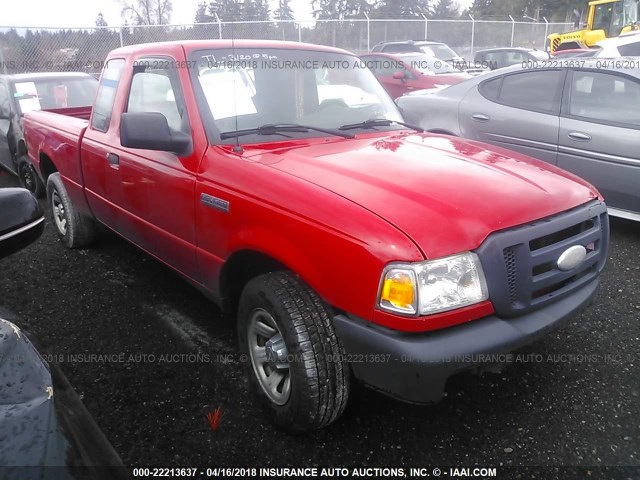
pixel 399 75
pixel 150 130
pixel 21 220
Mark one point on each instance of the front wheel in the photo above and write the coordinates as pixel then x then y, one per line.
pixel 294 360
pixel 29 179
pixel 74 229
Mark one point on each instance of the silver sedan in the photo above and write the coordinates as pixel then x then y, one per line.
pixel 582 115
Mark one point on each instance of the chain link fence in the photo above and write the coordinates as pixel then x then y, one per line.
pixel 27 49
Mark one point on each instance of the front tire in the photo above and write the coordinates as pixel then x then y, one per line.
pixel 294 359
pixel 74 229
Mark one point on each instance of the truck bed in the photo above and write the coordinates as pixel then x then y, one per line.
pixel 58 134
pixel 76 112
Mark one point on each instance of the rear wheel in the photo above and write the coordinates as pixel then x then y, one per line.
pixel 294 360
pixel 29 179
pixel 74 229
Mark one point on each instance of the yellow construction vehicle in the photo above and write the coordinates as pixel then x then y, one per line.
pixel 605 19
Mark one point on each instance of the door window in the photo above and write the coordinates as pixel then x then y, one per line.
pixel 603 17
pixel 536 90
pixel 157 90
pixel 514 57
pixel 630 50
pixel 604 97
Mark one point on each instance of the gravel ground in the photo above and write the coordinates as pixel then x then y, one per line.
pixel 114 300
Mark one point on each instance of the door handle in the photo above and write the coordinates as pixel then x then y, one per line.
pixel 481 117
pixel 580 136
pixel 113 159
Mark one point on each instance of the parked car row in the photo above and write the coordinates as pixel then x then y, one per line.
pixel 402 73
pixel 438 50
pixel 44 423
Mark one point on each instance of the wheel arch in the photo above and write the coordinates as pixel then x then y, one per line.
pixel 47 167
pixel 242 266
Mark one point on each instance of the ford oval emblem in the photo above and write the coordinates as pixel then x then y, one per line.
pixel 572 257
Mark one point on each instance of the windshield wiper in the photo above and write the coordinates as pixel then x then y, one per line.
pixel 279 129
pixel 378 122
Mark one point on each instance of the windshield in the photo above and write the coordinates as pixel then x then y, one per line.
pixel 439 50
pixel 429 65
pixel 49 93
pixel 248 88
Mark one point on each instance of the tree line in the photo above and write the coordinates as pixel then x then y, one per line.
pixel 158 12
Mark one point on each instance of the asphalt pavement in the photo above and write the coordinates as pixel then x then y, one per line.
pixel 151 356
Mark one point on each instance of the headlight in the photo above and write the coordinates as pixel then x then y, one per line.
pixel 433 286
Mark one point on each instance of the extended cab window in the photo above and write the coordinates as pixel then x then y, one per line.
pixel 604 97
pixel 158 90
pixel 106 94
pixel 532 90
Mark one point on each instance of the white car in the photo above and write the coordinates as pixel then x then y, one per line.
pixel 626 45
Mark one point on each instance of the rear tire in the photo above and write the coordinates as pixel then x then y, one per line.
pixel 29 179
pixel 74 229
pixel 294 359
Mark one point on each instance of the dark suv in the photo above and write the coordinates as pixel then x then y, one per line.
pixel 24 92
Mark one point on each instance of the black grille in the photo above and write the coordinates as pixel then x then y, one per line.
pixel 512 269
pixel 520 264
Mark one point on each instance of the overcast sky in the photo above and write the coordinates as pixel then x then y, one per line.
pixel 83 13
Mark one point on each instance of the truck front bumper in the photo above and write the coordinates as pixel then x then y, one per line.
pixel 415 367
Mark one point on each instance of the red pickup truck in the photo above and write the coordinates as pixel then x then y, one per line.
pixel 280 178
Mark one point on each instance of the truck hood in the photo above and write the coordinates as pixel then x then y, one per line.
pixel 445 193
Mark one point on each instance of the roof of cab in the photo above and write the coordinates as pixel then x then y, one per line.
pixel 193 45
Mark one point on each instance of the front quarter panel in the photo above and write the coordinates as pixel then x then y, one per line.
pixel 336 246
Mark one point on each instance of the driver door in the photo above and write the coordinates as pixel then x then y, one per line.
pixel 157 190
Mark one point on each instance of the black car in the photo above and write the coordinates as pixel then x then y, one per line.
pixel 24 92
pixel 494 58
pixel 45 430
